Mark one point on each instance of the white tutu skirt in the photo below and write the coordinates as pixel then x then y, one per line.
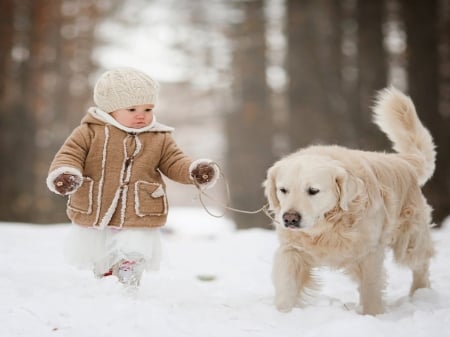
pixel 99 249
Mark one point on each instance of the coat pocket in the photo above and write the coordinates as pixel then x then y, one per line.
pixel 81 200
pixel 150 199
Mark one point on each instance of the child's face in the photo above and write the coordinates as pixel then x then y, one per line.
pixel 135 117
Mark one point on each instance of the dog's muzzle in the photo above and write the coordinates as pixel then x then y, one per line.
pixel 292 220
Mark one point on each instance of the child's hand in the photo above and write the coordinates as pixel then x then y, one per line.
pixel 66 183
pixel 203 173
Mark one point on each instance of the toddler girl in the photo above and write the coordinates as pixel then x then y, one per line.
pixel 111 168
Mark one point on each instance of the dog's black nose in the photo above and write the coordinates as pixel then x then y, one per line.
pixel 291 219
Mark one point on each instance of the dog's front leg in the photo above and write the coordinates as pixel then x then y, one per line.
pixel 370 275
pixel 290 274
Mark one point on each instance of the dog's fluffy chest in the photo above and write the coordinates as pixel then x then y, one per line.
pixel 326 246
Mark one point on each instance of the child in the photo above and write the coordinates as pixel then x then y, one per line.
pixel 111 167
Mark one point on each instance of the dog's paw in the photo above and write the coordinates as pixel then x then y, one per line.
pixel 372 309
pixel 284 305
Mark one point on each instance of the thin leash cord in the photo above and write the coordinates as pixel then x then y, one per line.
pixel 202 193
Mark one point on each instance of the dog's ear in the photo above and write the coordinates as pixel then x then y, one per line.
pixel 348 187
pixel 270 188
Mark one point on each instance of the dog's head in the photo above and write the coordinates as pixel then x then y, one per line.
pixel 302 189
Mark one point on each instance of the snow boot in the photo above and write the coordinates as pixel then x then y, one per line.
pixel 129 272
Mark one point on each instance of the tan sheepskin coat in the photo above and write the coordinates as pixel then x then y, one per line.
pixel 121 171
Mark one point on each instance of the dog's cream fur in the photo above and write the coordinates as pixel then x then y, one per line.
pixel 351 205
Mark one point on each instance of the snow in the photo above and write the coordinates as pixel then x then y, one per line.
pixel 214 281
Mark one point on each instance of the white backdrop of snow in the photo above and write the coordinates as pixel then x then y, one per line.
pixel 43 296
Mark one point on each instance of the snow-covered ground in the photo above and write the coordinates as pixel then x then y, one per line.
pixel 214 282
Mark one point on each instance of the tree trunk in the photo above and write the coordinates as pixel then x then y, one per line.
pixel 42 99
pixel 17 127
pixel 249 123
pixel 315 96
pixel 421 20
pixel 372 72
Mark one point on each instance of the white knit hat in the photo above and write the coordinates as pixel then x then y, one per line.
pixel 124 87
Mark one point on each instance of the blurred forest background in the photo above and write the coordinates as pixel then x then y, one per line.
pixel 243 82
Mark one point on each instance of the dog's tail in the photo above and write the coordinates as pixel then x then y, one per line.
pixel 395 114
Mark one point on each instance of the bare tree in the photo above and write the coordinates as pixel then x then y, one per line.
pixel 444 60
pixel 249 122
pixel 16 128
pixel 6 41
pixel 423 82
pixel 372 71
pixel 315 96
pixel 45 63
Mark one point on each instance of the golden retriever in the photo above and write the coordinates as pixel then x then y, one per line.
pixel 342 208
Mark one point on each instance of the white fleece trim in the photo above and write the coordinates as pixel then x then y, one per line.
pixel 158 193
pixel 110 212
pixel 124 206
pixel 137 203
pixel 138 146
pixel 86 180
pixel 60 170
pixel 122 191
pixel 208 162
pixel 107 118
pixel 119 192
pixel 102 177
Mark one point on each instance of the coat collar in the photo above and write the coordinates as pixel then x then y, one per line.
pixel 108 119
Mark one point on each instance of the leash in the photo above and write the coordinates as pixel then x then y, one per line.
pixel 226 206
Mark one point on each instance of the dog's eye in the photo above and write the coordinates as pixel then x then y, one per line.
pixel 283 190
pixel 313 191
